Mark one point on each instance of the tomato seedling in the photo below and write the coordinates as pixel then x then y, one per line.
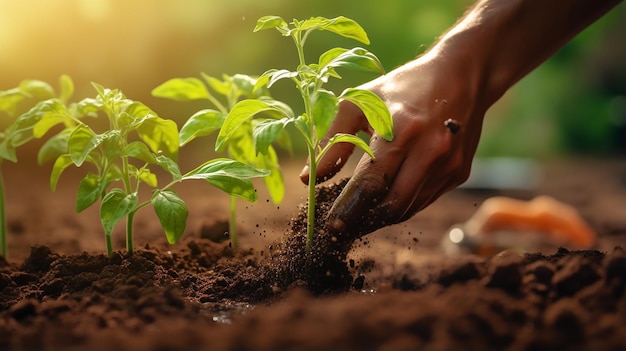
pixel 320 105
pixel 20 129
pixel 224 95
pixel 136 140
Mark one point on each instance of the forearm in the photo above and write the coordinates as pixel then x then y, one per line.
pixel 500 41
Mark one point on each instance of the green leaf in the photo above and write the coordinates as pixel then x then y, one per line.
pixel 147 177
pixel 230 176
pixel 246 85
pixel 281 74
pixel 241 113
pixel 9 99
pixel 172 213
pixel 54 147
pixel 116 205
pixel 241 145
pixel 347 138
pixel 89 191
pixel 160 134
pixel 347 28
pixel 274 182
pixel 357 59
pixel 7 151
pixel 202 123
pixel 267 131
pixel 81 143
pixel 226 167
pixel 325 106
pixel 170 166
pixel 140 151
pixel 182 89
pixel 67 88
pixel 374 109
pixel 37 89
pixel 217 85
pixel 267 22
pixel 61 163
pixel 21 131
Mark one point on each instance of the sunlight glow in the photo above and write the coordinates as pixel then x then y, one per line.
pixel 456 235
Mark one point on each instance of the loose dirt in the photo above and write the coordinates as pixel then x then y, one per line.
pixel 392 290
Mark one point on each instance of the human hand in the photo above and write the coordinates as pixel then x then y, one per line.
pixel 436 130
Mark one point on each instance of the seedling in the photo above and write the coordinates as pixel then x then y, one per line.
pixel 20 129
pixel 136 140
pixel 223 95
pixel 320 105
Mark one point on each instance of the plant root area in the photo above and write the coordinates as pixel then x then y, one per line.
pixel 394 289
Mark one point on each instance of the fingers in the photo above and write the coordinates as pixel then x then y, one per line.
pixel 396 186
pixel 349 120
pixel 369 185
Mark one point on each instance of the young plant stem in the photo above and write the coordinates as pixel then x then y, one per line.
pixel 232 222
pixel 107 239
pixel 131 215
pixel 3 224
pixel 129 232
pixel 310 225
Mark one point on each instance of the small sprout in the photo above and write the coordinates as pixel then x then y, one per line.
pixel 22 129
pixel 223 95
pixel 320 105
pixel 122 158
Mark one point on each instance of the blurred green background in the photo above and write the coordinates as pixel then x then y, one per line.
pixel 574 103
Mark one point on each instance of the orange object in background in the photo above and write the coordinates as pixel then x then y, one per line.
pixel 506 223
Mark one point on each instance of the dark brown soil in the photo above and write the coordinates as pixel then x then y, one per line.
pixel 392 290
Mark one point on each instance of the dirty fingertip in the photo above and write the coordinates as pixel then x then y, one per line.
pixel 304 174
pixel 337 225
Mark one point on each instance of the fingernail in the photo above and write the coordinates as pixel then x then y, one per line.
pixel 304 171
pixel 338 225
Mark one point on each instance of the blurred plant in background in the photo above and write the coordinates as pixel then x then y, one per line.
pixel 575 102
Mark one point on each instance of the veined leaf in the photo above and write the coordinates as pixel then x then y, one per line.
pixel 231 176
pixel 182 89
pixel 240 113
pixel 267 131
pixel 324 111
pixel 116 205
pixel 357 59
pixel 22 130
pixel 172 213
pixel 89 191
pixel 202 123
pixel 241 145
pixel 267 22
pixel 347 138
pixel 170 166
pixel 281 74
pixel 160 134
pixel 147 177
pixel 225 167
pixel 274 182
pixel 217 85
pixel 374 108
pixel 140 151
pixel 347 28
pixel 81 143
pixel 54 147
pixel 61 163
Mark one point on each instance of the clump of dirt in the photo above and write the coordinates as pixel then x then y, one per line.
pixel 323 269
